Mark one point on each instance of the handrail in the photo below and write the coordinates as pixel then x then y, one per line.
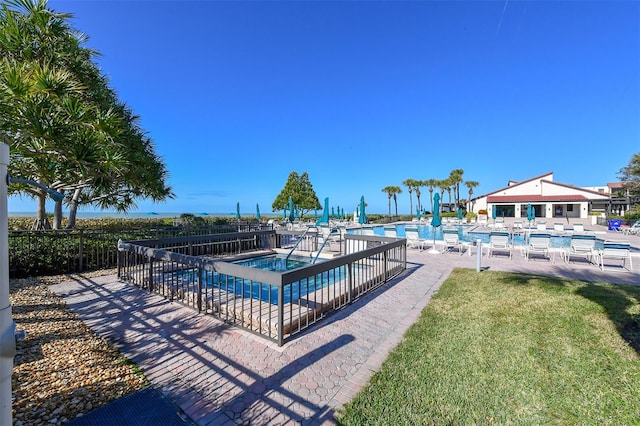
pixel 296 244
pixel 324 242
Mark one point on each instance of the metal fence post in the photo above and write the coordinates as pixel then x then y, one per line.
pixel 80 254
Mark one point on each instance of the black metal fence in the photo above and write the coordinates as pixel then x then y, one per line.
pixel 35 253
pixel 272 303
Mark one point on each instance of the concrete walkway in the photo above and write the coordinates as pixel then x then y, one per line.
pixel 221 375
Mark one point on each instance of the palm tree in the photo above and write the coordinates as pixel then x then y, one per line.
pixel 392 192
pixel 471 184
pixel 455 176
pixel 442 184
pixel 411 184
pixel 419 184
pixel 431 183
pixel 66 128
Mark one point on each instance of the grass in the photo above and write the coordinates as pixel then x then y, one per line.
pixel 505 348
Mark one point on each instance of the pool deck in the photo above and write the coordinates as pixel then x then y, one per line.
pixel 221 375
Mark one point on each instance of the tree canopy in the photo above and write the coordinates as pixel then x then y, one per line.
pixel 301 191
pixel 630 176
pixel 65 126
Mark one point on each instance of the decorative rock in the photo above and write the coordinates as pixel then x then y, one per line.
pixel 61 369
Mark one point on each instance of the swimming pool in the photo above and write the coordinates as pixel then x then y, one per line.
pixel 466 234
pixel 267 292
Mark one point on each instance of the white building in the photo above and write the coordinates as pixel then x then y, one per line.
pixel 548 198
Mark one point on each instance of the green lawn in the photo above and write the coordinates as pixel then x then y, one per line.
pixel 505 348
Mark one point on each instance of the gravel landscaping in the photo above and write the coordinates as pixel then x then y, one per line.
pixel 61 368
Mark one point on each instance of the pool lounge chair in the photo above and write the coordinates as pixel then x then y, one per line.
pixel 541 226
pixel 581 245
pixel 578 227
pixel 558 227
pixel 451 240
pixel 390 232
pixel 539 243
pixel 631 230
pixel 619 250
pixel 414 240
pixel 499 241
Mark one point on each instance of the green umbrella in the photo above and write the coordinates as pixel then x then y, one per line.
pixel 363 217
pixel 459 213
pixel 325 213
pixel 418 212
pixel 494 212
pixel 292 214
pixel 238 210
pixel 258 211
pixel 435 220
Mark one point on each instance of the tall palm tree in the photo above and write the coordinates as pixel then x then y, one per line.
pixel 392 192
pixel 442 184
pixel 419 184
pixel 411 184
pixel 471 184
pixel 431 183
pixel 455 176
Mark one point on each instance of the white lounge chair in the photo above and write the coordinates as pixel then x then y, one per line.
pixel 499 241
pixel 620 250
pixel 390 232
pixel 558 227
pixel 539 243
pixel 631 230
pixel 541 226
pixel 578 227
pixel 581 245
pixel 413 239
pixel 451 240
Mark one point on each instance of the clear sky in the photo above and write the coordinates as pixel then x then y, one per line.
pixel 366 94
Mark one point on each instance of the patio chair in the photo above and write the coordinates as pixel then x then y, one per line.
pixel 558 227
pixel 499 241
pixel 578 227
pixel 539 243
pixel 631 230
pixel 413 239
pixel 620 250
pixel 451 240
pixel 581 245
pixel 390 232
pixel 541 226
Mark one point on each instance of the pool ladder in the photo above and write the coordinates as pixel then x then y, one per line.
pixel 304 237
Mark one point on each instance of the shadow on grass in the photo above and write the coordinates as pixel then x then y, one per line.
pixel 617 300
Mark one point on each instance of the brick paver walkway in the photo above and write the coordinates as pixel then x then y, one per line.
pixel 221 375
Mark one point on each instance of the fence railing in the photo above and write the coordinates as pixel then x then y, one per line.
pixel 275 304
pixel 34 253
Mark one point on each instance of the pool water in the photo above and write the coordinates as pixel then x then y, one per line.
pixel 466 235
pixel 265 292
pixel 279 263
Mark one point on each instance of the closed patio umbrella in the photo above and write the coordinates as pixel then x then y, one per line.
pixel 363 217
pixel 258 211
pixel 292 213
pixel 435 221
pixel 238 210
pixel 418 212
pixel 531 214
pixel 459 213
pixel 325 213
pixel 494 212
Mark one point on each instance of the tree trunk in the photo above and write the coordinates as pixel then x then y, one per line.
pixel 57 215
pixel 73 209
pixel 41 222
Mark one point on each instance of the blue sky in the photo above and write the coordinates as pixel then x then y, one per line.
pixel 362 95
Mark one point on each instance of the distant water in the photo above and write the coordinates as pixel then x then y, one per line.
pixel 135 215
